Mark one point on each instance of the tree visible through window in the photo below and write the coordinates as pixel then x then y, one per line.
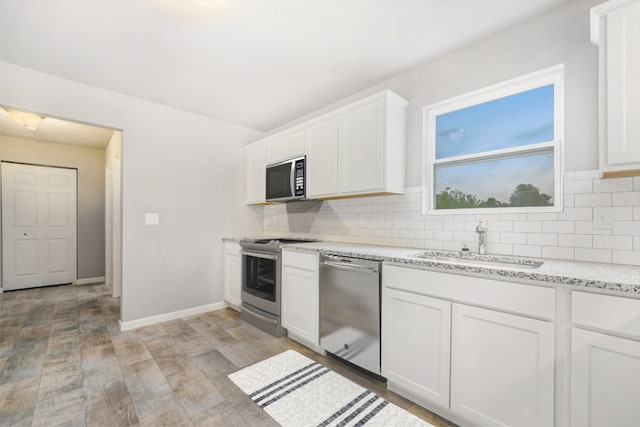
pixel 497 148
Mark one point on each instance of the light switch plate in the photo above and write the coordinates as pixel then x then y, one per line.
pixel 151 218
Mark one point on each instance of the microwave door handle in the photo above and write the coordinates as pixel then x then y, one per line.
pixel 292 179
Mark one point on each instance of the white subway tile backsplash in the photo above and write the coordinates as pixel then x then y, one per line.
pixel 576 214
pixel 542 216
pixel 613 242
pixel 612 185
pixel 589 174
pixel 628 228
pixel 626 257
pixel 629 198
pixel 499 226
pixel 517 238
pixel 569 200
pixel 578 187
pixel 527 226
pixel 453 225
pixel 443 235
pixel 575 240
pixel 542 239
pixel 592 199
pixel 587 227
pixel 600 222
pixel 593 255
pixel 513 217
pixel 527 251
pixel 565 227
pixel 500 248
pixel 557 252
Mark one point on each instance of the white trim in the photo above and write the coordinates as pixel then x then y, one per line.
pixel 552 75
pixel 89 280
pixel 151 320
pixel 598 12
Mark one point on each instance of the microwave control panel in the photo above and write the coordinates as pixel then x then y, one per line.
pixel 299 178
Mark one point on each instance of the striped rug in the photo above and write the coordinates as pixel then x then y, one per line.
pixel 298 392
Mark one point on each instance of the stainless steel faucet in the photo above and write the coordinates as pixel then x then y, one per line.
pixel 481 229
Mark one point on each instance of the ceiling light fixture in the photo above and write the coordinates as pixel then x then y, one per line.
pixel 25 119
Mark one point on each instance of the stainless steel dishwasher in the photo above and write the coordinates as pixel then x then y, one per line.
pixel 350 310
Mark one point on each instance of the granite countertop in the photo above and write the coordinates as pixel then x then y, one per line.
pixel 611 277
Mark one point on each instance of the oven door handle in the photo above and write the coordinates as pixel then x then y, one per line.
pixel 258 255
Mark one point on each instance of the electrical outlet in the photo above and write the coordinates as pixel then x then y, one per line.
pixel 603 218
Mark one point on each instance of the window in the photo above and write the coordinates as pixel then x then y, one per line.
pixel 497 149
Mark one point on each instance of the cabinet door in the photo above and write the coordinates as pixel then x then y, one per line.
pixel 502 368
pixel 285 147
pixel 300 303
pixel 232 274
pixel 605 380
pixel 362 149
pixel 255 173
pixel 623 84
pixel 416 342
pixel 322 159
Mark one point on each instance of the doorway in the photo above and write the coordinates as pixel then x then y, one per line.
pixel 83 147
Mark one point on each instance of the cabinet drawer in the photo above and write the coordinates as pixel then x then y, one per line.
pixel 301 260
pixel 531 300
pixel 606 312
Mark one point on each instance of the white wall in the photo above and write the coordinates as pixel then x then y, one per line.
pixel 558 36
pixel 184 166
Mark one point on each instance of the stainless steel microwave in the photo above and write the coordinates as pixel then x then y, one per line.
pixel 286 181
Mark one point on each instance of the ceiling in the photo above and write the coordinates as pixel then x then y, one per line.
pixel 58 131
pixel 255 63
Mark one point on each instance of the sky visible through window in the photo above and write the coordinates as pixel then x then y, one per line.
pixel 517 120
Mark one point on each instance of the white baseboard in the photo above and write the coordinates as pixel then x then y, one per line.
pixel 89 280
pixel 146 321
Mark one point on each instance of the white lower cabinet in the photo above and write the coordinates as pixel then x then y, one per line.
pixel 480 365
pixel 416 336
pixel 605 380
pixel 502 368
pixel 232 274
pixel 300 296
pixel 605 361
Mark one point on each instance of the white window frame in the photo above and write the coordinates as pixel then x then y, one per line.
pixel 553 75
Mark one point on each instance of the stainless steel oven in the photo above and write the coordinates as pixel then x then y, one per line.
pixel 261 283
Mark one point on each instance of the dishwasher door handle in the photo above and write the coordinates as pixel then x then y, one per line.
pixel 349 267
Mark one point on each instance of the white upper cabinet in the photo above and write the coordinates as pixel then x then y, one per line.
pixel 357 149
pixel 615 27
pixel 362 149
pixel 322 159
pixel 285 147
pixel 254 163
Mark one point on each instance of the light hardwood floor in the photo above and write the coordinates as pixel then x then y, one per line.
pixel 63 361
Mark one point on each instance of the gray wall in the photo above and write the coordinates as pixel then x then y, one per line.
pixel 558 36
pixel 90 165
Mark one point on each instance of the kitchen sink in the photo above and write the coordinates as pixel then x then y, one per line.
pixel 476 259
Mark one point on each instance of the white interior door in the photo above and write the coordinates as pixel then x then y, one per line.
pixel 38 226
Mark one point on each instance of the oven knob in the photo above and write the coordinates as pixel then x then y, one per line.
pixel 346 346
